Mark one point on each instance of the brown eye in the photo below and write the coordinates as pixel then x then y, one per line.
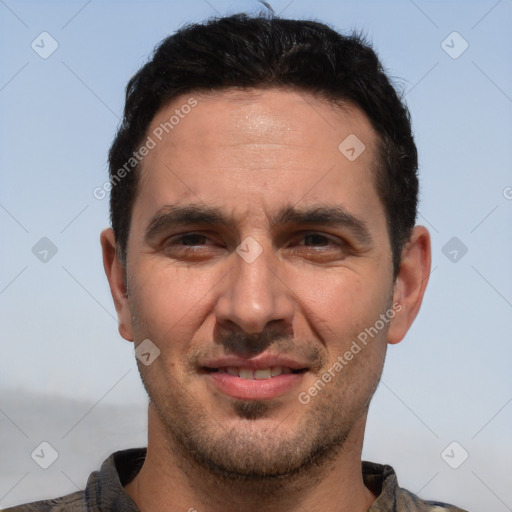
pixel 191 239
pixel 321 247
pixel 320 240
pixel 316 239
pixel 190 247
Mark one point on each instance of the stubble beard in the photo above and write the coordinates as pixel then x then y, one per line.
pixel 261 460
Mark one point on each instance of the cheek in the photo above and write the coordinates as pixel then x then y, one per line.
pixel 171 304
pixel 166 303
pixel 341 303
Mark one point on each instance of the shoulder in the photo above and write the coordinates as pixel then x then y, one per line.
pixel 74 502
pixel 412 502
pixel 382 480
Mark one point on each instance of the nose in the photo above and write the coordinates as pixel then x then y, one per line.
pixel 254 294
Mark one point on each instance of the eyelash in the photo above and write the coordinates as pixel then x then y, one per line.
pixel 171 241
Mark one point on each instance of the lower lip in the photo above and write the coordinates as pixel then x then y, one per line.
pixel 257 389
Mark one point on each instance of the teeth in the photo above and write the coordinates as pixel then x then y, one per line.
pixel 276 370
pixel 250 374
pixel 262 374
pixel 246 373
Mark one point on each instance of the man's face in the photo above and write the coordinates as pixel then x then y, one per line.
pixel 301 266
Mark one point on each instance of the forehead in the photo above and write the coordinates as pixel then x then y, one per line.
pixel 260 116
pixel 236 148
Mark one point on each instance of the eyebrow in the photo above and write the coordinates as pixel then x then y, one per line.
pixel 174 216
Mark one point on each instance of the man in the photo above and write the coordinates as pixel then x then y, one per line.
pixel 262 255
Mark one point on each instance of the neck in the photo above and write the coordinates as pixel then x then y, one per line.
pixel 170 481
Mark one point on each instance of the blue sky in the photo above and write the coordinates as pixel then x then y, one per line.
pixel 449 380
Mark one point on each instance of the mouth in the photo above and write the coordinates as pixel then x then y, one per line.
pixel 255 373
pixel 253 383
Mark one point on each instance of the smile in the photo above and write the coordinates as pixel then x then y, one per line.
pixel 244 383
pixel 252 374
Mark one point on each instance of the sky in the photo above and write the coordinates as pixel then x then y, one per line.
pixel 64 69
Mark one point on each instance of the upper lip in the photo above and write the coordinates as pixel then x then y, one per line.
pixel 256 363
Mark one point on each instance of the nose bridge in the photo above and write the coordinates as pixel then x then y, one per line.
pixel 254 295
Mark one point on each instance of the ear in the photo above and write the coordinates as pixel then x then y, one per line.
pixel 410 283
pixel 116 275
